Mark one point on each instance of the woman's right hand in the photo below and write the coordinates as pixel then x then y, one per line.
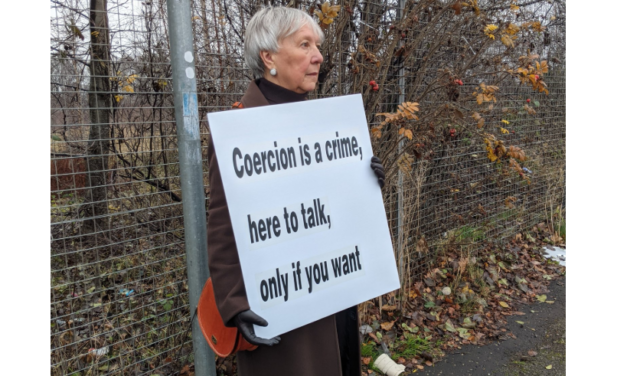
pixel 244 322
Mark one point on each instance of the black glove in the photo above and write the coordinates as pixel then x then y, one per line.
pixel 244 322
pixel 377 167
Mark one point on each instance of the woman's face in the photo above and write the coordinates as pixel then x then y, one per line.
pixel 297 62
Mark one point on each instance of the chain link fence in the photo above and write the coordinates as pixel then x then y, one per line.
pixel 118 282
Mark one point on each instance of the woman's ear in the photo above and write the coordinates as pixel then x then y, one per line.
pixel 268 59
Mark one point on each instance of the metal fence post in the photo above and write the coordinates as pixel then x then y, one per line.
pixel 399 213
pixel 190 161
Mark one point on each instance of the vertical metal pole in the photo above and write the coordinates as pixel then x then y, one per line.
pixel 190 162
pixel 399 208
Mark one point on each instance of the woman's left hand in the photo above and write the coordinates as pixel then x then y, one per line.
pixel 377 167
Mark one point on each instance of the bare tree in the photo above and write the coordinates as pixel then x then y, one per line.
pixel 95 208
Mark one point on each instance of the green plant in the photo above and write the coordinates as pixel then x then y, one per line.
pixel 558 221
pixel 429 304
pixel 507 214
pixel 476 276
pixel 166 304
pixel 468 233
pixel 561 229
pixel 369 350
pixel 468 306
pixel 411 346
pixel 554 211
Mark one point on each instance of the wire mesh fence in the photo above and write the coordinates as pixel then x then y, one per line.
pixel 455 176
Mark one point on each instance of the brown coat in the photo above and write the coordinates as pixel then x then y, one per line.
pixel 311 350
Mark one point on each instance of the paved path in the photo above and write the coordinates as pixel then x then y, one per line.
pixel 543 331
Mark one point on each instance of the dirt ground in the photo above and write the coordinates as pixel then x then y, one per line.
pixel 543 331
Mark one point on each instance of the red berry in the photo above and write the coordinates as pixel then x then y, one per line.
pixel 403 35
pixel 537 77
pixel 372 83
pixel 528 100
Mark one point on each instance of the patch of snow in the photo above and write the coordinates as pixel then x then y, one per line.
pixel 556 253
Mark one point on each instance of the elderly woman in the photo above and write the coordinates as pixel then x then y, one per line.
pixel 282 47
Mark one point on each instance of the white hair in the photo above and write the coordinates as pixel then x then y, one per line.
pixel 267 28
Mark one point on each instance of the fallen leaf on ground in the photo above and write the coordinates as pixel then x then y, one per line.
pixel 532 353
pixel 550 301
pixel 463 333
pixel 443 317
pixel 373 336
pixel 549 366
pixel 468 324
pixel 449 326
pixel 366 361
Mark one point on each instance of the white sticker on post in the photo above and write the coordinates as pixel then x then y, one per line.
pixel 189 72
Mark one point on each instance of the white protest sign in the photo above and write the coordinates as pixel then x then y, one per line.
pixel 306 209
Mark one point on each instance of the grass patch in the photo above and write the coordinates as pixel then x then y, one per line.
pixel 411 346
pixel 408 346
pixel 507 214
pixel 560 228
pixel 469 233
pixel 369 350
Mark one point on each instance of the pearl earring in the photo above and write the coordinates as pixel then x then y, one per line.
pixel 273 72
